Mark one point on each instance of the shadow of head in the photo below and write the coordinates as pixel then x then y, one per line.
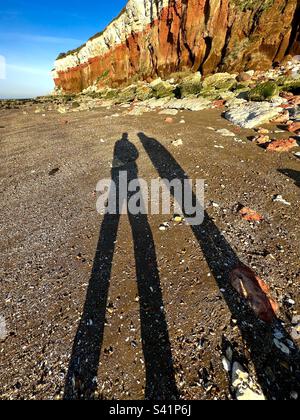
pixel 125 152
pixel 125 137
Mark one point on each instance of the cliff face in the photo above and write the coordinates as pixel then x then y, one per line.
pixel 157 37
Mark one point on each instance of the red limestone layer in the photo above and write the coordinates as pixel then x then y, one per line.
pixel 157 37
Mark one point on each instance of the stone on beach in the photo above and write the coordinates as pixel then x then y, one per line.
pixel 261 139
pixel 3 329
pixel 244 387
pixel 250 215
pixel 294 127
pixel 282 145
pixel 252 114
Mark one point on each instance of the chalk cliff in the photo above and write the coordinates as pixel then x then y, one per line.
pixel 153 38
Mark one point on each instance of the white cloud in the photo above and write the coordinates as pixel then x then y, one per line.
pixel 25 69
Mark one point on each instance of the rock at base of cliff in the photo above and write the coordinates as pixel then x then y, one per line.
pixel 251 115
pixel 190 85
pixel 127 95
pixel 264 91
pixel 143 92
pixel 220 81
pixel 162 89
pixel 190 104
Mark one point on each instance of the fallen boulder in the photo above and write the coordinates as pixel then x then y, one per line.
pixel 162 89
pixel 263 91
pixel 294 127
pixel 220 81
pixel 252 114
pixel 282 145
pixel 282 118
pixel 190 85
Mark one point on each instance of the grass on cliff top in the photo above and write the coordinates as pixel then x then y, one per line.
pixel 261 5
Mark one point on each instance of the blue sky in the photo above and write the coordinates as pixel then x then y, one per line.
pixel 33 33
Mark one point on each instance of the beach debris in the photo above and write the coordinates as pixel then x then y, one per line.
pixel 244 386
pixel 255 291
pixel 177 143
pixel 225 133
pixel 279 199
pixel 250 215
pixel 3 328
pixel 164 226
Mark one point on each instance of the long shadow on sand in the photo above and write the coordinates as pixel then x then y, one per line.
pixel 81 381
pixel 291 173
pixel 277 373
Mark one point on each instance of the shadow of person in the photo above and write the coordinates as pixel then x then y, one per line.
pixel 277 372
pixel 293 174
pixel 81 380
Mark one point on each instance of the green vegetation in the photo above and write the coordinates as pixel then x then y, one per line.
pixel 127 94
pixel 163 90
pixel 263 91
pixel 103 76
pixel 144 92
pixel 260 5
pixel 291 85
pixel 190 85
pixel 220 81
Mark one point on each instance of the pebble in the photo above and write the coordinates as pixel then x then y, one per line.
pixel 225 133
pixel 282 347
pixel 294 395
pixel 244 387
pixel 279 199
pixel 262 131
pixel 168 112
pixel 177 143
pixel 3 330
pixel 295 332
pixel 163 227
pixel 178 219
pixel 226 364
